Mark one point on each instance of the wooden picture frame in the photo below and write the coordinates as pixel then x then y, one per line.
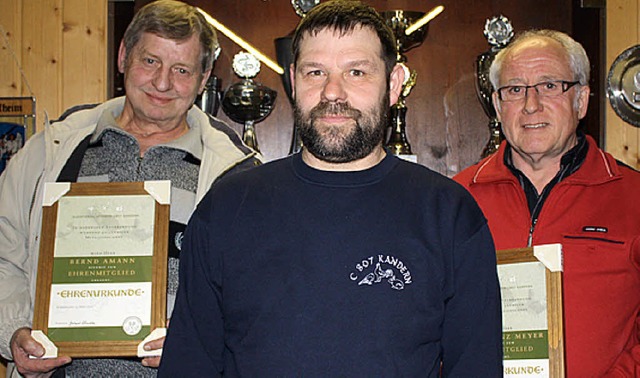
pixel 531 286
pixel 103 254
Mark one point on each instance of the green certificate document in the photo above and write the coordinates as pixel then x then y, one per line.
pixel 101 283
pixel 101 286
pixel 524 319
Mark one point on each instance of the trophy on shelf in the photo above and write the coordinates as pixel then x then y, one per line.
pixel 247 101
pixel 285 58
pixel 209 100
pixel 499 32
pixel 410 30
pixel 303 6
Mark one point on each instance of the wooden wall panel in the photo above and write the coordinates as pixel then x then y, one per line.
pixel 42 54
pixel 84 70
pixel 61 47
pixel 623 31
pixel 11 42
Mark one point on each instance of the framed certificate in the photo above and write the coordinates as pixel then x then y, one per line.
pixel 102 272
pixel 532 328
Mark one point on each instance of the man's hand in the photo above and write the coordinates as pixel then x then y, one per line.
pixel 22 346
pixel 153 345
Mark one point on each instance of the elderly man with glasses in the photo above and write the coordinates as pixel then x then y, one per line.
pixel 550 183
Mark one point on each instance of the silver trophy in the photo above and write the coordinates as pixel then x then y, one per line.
pixel 248 102
pixel 623 85
pixel 499 33
pixel 303 6
pixel 209 100
pixel 399 21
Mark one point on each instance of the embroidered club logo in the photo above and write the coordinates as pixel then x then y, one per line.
pixel 381 269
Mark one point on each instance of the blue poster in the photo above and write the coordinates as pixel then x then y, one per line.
pixel 11 140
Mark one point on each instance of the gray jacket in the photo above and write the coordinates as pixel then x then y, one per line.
pixel 41 160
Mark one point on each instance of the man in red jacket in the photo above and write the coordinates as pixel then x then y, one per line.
pixel 549 183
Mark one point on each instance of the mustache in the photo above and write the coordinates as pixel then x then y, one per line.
pixel 334 108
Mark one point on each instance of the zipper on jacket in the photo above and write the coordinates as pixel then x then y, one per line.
pixel 535 212
pixel 533 226
pixel 33 196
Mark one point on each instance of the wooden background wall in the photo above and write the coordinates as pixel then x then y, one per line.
pixel 446 125
pixel 65 63
pixel 61 47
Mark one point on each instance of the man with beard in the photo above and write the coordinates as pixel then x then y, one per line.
pixel 342 260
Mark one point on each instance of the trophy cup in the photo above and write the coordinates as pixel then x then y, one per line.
pixel 499 32
pixel 285 58
pixel 400 21
pixel 303 6
pixel 248 102
pixel 209 100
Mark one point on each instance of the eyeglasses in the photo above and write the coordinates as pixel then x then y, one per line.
pixel 545 89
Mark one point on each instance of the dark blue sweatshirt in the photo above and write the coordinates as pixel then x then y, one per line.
pixel 289 271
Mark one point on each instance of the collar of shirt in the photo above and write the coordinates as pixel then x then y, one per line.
pixel 569 164
pixel 189 142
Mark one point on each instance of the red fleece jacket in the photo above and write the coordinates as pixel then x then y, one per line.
pixel 595 215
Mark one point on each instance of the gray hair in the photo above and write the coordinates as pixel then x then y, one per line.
pixel 578 60
pixel 173 20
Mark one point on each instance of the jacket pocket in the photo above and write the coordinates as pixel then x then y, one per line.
pixel 592 239
pixel 596 257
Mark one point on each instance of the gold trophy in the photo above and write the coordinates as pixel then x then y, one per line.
pixel 410 30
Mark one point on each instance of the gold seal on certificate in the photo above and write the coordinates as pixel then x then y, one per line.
pixel 101 286
pixel 132 325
